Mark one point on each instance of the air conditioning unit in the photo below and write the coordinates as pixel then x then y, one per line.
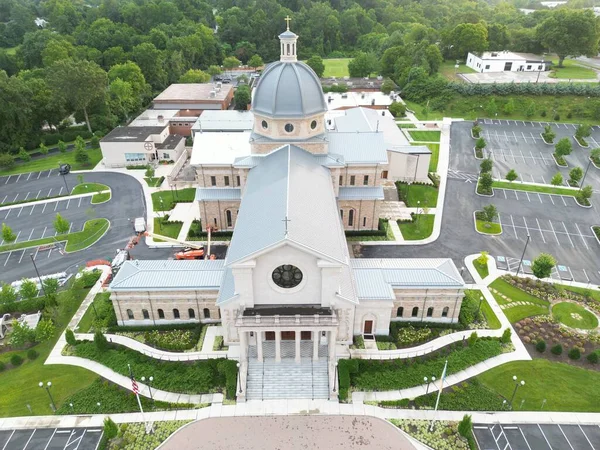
pixel 349 83
pixel 213 94
pixel 371 84
pixel 344 95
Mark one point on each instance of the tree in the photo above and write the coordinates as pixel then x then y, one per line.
pixel 24 155
pixel 465 38
pixel 387 86
pixel 62 146
pixel 70 337
pixel 7 234
pixel 480 144
pixel 473 338
pixel 505 338
pixel 315 62
pixel 583 131
pixel 575 175
pixel 7 160
pixel 242 98
pixel 8 294
pixel 257 61
pixel 530 111
pixel 100 340
pixel 486 165
pixel 81 156
pixel 50 289
pixel 434 58
pixel 151 61
pixel 557 180
pixel 585 194
pixel 542 265
pixel 231 62
pixel 94 141
pixel 362 65
pixel 594 155
pixel 465 426
pixel 78 83
pixel 512 175
pixel 150 172
pixel 563 147
pixel 569 32
pixel 548 134
pixel 28 289
pixel 61 225
pixel 491 109
pixel 21 334
pixel 214 70
pixel 43 149
pixel 483 257
pixel 44 330
pixel 486 181
pixel 194 76
pixel 489 213
pixel 397 109
pixel 509 107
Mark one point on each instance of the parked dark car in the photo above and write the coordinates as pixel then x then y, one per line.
pixel 64 169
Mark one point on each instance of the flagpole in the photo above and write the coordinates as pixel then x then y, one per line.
pixel 137 395
pixel 437 402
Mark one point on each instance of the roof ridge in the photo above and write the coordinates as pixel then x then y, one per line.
pixel 299 86
pixel 137 270
pixel 287 190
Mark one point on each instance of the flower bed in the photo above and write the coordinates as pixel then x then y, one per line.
pixel 133 436
pixel 444 436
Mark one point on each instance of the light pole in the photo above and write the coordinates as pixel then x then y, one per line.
pixel 408 190
pixel 540 71
pixel 522 256
pixel 48 386
pixel 418 208
pixel 585 174
pixel 517 384
pixel 65 181
pixel 38 273
pixel 150 380
pixel 425 379
pixel 480 302
pixel 98 405
pixel 72 409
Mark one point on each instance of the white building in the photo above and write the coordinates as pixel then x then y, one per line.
pixel 506 61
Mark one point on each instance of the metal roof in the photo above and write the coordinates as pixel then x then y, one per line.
pixel 288 183
pixel 376 278
pixel 224 120
pixel 209 194
pixel 411 149
pixel 133 134
pixel 361 193
pixel 357 148
pixel 288 89
pixel 214 148
pixel 168 275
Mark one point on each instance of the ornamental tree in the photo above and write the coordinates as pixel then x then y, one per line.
pixel 512 175
pixel 557 180
pixel 563 147
pixel 480 144
pixel 549 134
pixel 583 131
pixel 486 181
pixel 256 61
pixel 28 290
pixel 489 214
pixel 7 234
pixel 61 225
pixel 575 175
pixel 542 265
pixel 486 165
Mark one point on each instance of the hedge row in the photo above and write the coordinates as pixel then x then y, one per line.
pixel 381 230
pixel 580 89
pixel 144 328
pixel 24 306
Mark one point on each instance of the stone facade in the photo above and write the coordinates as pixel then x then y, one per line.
pixel 219 213
pixel 218 176
pixel 431 305
pixel 367 175
pixel 359 214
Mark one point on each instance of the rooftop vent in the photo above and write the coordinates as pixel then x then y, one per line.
pixel 213 94
pixel 371 84
pixel 494 54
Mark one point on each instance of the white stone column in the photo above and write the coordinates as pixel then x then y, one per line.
pixel 278 346
pixel 259 346
pixel 316 335
pixel 333 394
pixel 332 340
pixel 243 346
pixel 297 335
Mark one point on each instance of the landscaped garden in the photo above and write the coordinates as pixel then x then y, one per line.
pixel 516 303
pixel 420 227
pixel 170 338
pixel 197 233
pixel 165 228
pixel 383 233
pixel 165 200
pixel 445 435
pixel 574 316
pixel 99 316
pixel 485 226
pixel 133 436
pixel 417 195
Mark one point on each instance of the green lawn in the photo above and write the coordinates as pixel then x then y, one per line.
pixel 23 381
pixel 100 301
pixel 514 293
pixel 166 228
pixel 87 188
pixel 594 293
pixel 52 162
pixel 482 269
pixel 490 316
pixel 574 316
pixel 406 125
pixel 420 228
pixel 169 198
pixel 572 70
pixel 426 194
pixel 565 388
pixel 101 198
pixel 425 136
pixel 154 182
pixel 336 67
pixel 92 231
pixel 488 228
pixel 435 156
pixel 516 313
pixel 448 70
pixel 533 188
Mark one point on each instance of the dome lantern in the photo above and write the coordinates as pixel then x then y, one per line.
pixel 287 44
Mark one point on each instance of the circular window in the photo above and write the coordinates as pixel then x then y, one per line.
pixel 289 127
pixel 264 124
pixel 287 276
pixel 313 125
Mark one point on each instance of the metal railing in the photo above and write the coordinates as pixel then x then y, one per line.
pixel 296 320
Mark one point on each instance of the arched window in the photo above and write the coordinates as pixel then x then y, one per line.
pixel 228 217
pixel 161 314
pixel 191 313
pixel 415 311
pixel 130 314
pixel 342 214
pixel 175 313
pixel 430 311
pixel 288 49
pixel 206 313
pixel 351 218
pixel 445 311
pixel 145 314
pixel 400 311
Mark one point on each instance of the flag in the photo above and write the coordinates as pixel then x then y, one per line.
pixel 437 402
pixel 134 386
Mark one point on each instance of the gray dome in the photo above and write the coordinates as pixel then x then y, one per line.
pixel 288 89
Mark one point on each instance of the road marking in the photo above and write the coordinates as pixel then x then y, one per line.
pixel 527 228
pixel 37 249
pixel 68 203
pixel 51 437
pixel 582 238
pixel 544 181
pixel 524 438
pixel 6 262
pixel 8 179
pixel 38 194
pixel 563 433
pixel 18 178
pixel 49 253
pixel 20 211
pixel 31 234
pixel 79 205
pixel 563 199
pixel 27 196
pixel 39 175
pixel 555 236
pixel 28 176
pixel 44 208
pixel 56 206
pixel 545 438
pixel 540 197
pixel 71 226
pixel 527 194
pixel 60 192
pixel 21 258
pixel 18 234
pixel 594 448
pixel 540 229
pixel 513 225
pixel 549 195
pixel 49 192
pixel 4 199
pixel 50 172
pixel 45 228
pixel 32 208
pixel 7 213
pixel 504 190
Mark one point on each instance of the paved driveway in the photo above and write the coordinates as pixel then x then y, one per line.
pixel 51 439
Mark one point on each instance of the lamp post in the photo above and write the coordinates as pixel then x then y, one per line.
pixel 48 386
pixel 408 190
pixel 480 302
pixel 72 409
pixel 523 255
pixel 425 379
pixel 418 209
pixel 38 273
pixel 99 405
pixel 517 384
pixel 65 181
pixel 540 71
pixel 239 382
pixel 150 380
pixel 585 174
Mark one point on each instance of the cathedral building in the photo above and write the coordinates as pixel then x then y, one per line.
pixel 288 295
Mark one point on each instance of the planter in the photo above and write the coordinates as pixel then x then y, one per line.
pixel 583 206
pixel 579 143
pixel 546 142
pixel 594 164
pixel 473 136
pixel 594 233
pixel 478 157
pixel 556 162
pixel 482 232
pixel 483 195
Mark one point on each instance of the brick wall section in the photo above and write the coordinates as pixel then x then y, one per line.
pixel 438 299
pixel 368 209
pixel 204 174
pixel 373 172
pixel 215 213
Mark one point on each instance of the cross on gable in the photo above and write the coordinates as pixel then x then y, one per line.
pixel 287 19
pixel 286 220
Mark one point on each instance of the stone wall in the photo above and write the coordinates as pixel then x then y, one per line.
pixel 215 213
pixel 422 300
pixel 365 214
pixel 224 176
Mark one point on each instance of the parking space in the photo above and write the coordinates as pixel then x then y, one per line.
pixel 34 185
pixel 561 272
pixel 537 437
pixel 24 177
pixel 51 439
pixel 23 196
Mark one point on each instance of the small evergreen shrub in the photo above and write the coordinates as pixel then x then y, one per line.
pixel 16 360
pixel 575 353
pixel 557 349
pixel 505 339
pixel 70 337
pixel 593 357
pixel 541 346
pixel 100 340
pixel 32 354
pixel 473 339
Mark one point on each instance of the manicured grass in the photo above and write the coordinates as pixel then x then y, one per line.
pixel 426 194
pixel 21 384
pixel 406 125
pixel 101 198
pixel 435 156
pixel 87 188
pixel 101 303
pixel 447 70
pixel 426 136
pixel 92 231
pixel 169 198
pixel 482 269
pixel 533 188
pixel 420 228
pixel 490 316
pixel 572 70
pixel 516 313
pixel 154 182
pixel 336 67
pixel 52 162
pixel 594 293
pixel 514 293
pixel 166 228
pixel 565 388
pixel 488 228
pixel 574 316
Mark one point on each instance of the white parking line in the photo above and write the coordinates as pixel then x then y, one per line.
pixel 514 228
pixel 45 228
pixel 18 178
pixel 8 179
pixel 581 235
pixel 44 208
pixel 56 206
pixel 37 249
pixel 38 194
pixel 7 213
pixel 6 262
pixel 18 234
pixel 543 434
pixel 527 228
pixel 39 175
pixel 563 433
pixel 563 199
pixel 32 208
pixel 555 236
pixel 540 228
pixel 50 192
pixel 60 192
pixel 68 203
pixel 27 196
pixel 28 176
pixel 20 211
pixel 527 194
pixel 524 438
pixel 551 198
pixel 71 226
pixel 544 181
pixel 21 258
pixel 540 197
pixel 50 172
pixel 580 425
pixel 30 234
pixel 79 205
pixel 4 199
pixel 49 253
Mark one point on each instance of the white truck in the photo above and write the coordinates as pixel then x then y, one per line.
pixel 139 225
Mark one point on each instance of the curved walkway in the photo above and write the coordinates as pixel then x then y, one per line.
pixel 519 354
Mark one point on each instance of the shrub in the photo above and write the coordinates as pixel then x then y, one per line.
pixel 2 366
pixel 593 357
pixel 32 354
pixel 345 368
pixel 512 175
pixel 575 353
pixel 542 265
pixel 486 165
pixel 397 109
pixel 541 346
pixel 557 349
pixel 473 339
pixel 16 360
pixel 483 258
pixel 110 428
pixel 505 339
pixel 465 426
pixel 7 161
pixel 70 337
pixel 480 144
pixel 100 340
pixel 476 130
pixel 359 341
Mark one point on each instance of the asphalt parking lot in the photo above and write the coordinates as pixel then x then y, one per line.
pixel 35 185
pixel 537 437
pixel 51 439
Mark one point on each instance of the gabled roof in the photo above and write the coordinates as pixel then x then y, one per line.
pixel 168 275
pixel 359 148
pixel 288 183
pixel 211 194
pixel 377 278
pixel 361 193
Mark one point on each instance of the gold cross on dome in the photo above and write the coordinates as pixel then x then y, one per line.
pixel 287 19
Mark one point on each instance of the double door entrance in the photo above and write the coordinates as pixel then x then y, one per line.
pixel 288 335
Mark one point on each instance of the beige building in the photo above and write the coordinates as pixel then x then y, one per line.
pixel 193 98
pixel 288 296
